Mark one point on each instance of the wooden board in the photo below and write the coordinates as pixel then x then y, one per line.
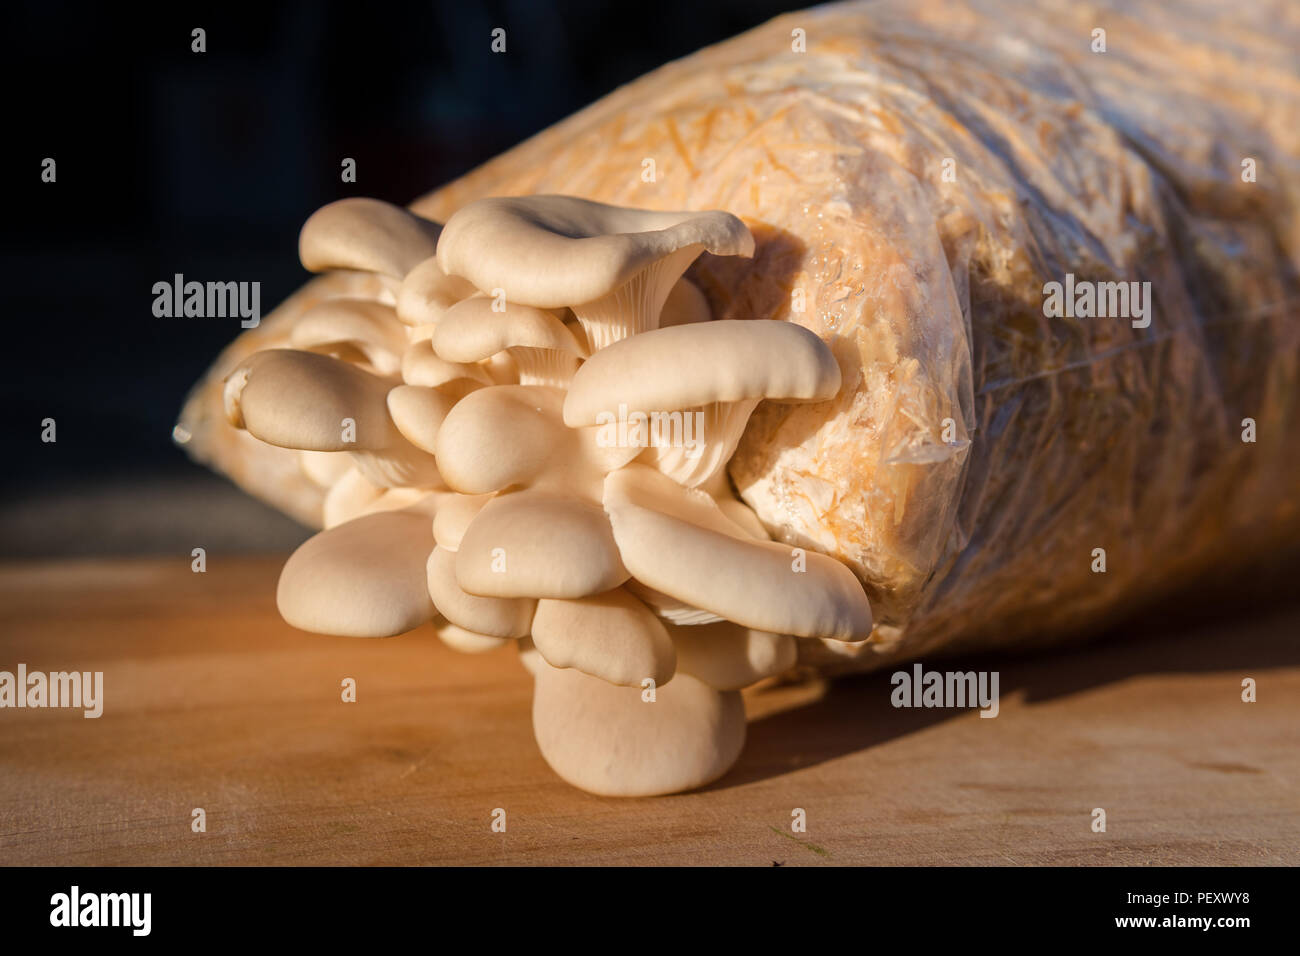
pixel 211 701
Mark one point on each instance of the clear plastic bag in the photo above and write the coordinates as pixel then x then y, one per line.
pixel 915 174
pixel 916 177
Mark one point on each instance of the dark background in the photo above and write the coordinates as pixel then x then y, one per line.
pixel 207 164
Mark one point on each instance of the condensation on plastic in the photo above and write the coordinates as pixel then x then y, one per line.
pixel 980 450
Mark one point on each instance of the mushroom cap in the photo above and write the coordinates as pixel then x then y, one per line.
pixel 365 578
pixel 686 366
pixel 608 741
pixel 612 636
pixel 368 235
pixel 301 400
pixel 727 656
pixel 499 436
pixel 427 292
pixel 354 495
pixel 470 331
pixel 368 327
pixel 530 544
pixel 454 515
pixel 418 413
pixel 506 435
pixel 298 399
pixel 555 251
pixel 422 366
pixel 679 542
pixel 468 642
pixel 502 369
pixel 492 617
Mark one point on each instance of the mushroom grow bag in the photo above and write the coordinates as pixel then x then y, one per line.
pixel 915 175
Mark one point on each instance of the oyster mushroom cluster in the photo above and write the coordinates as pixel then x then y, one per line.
pixel 524 438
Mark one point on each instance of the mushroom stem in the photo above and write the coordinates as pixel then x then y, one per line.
pixel 727 656
pixel 716 431
pixel 634 306
pixel 544 366
pixel 422 366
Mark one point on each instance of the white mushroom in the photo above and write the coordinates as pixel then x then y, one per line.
pixel 418 413
pixel 739 512
pixel 530 657
pixel 348 328
pixel 744 519
pixel 427 292
pixel 531 544
pixel 612 265
pixel 698 383
pixel 685 305
pixel 728 656
pixel 422 366
pixel 669 608
pixel 368 235
pixel 686 366
pixel 317 403
pixel 610 741
pixel 710 436
pixel 508 436
pixel 324 468
pixel 677 541
pixel 472 383
pixel 351 496
pixel 501 368
pixel 454 515
pixel 354 495
pixel 365 578
pixel 544 351
pixel 493 617
pixel 467 641
pixel 612 636
pixel 500 436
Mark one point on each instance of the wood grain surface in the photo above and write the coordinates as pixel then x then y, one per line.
pixel 211 701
